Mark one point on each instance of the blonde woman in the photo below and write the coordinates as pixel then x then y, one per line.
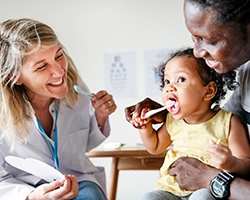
pixel 42 117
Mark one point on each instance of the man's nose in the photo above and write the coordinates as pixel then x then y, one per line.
pixel 199 50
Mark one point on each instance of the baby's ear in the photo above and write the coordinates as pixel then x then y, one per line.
pixel 211 91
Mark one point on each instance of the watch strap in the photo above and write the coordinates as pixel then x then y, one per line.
pixel 225 177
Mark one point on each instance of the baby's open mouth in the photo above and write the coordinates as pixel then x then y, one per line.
pixel 172 105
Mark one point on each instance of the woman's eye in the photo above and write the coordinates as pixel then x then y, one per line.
pixel 42 67
pixel 59 56
pixel 181 80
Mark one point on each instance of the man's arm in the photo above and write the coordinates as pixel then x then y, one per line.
pixel 192 174
pixel 239 189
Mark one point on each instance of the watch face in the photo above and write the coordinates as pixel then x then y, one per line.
pixel 217 188
pixel 220 185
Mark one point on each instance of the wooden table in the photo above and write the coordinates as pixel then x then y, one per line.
pixel 127 158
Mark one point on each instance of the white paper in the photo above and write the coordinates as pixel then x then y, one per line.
pixel 112 145
pixel 35 167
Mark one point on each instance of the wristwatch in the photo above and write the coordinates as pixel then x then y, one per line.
pixel 220 185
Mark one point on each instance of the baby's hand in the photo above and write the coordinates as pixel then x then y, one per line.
pixel 138 121
pixel 221 156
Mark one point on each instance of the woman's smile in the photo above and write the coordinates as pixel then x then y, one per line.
pixel 57 83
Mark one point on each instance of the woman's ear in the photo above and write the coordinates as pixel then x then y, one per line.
pixel 211 91
pixel 19 82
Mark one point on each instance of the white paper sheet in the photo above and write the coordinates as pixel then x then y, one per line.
pixel 35 167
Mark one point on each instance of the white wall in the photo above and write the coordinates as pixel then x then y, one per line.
pixel 90 28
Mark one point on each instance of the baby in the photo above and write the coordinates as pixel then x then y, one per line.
pixel 194 126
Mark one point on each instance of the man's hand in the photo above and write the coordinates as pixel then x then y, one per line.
pixel 192 174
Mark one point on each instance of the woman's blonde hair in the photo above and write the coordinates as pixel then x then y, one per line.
pixel 19 38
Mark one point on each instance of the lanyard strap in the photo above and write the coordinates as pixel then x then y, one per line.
pixel 55 147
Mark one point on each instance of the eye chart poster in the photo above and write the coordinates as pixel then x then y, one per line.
pixel 120 74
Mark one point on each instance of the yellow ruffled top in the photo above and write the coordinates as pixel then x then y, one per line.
pixel 191 140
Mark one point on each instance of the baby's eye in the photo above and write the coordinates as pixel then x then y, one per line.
pixel 181 80
pixel 166 82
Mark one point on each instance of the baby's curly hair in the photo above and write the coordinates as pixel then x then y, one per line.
pixel 222 81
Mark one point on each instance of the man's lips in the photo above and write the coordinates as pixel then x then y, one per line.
pixel 212 63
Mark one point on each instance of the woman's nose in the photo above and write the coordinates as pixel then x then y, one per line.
pixel 57 69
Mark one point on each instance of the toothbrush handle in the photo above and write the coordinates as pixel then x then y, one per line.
pixel 152 112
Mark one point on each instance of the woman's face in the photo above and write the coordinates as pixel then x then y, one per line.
pixel 222 47
pixel 44 74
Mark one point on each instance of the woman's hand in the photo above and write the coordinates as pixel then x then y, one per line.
pixel 66 188
pixel 104 105
pixel 138 110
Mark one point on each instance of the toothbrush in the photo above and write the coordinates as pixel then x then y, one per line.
pixel 79 90
pixel 169 103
